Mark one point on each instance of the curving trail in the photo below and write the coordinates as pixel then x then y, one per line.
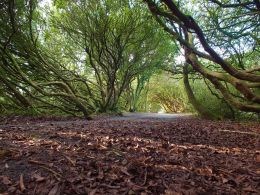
pixel 140 115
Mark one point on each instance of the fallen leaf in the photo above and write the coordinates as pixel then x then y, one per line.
pixel 3 153
pixel 198 159
pixel 6 180
pixel 250 189
pixel 6 166
pixel 204 171
pixel 12 189
pixel 100 173
pixel 92 192
pixel 124 170
pixel 131 192
pixel 54 190
pixel 224 180
pixel 22 187
pixel 124 162
pixel 171 192
pixel 38 177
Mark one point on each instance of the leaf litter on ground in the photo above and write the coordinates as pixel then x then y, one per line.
pixel 143 156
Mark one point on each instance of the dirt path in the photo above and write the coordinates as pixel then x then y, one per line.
pixel 139 115
pixel 134 154
pixel 26 121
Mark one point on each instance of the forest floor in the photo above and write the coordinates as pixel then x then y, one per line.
pixel 138 155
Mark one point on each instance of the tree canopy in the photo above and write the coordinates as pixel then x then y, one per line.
pixel 217 39
pixel 99 56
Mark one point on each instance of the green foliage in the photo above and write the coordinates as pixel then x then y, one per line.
pixel 115 42
pixel 218 38
pixel 167 94
pixel 163 94
pixel 53 61
pixel 211 100
pixel 85 57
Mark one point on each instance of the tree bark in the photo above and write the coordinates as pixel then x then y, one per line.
pixel 192 99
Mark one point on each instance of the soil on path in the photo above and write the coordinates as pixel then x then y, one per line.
pixel 128 155
pixel 140 115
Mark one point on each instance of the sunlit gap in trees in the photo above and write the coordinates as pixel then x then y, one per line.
pixel 45 3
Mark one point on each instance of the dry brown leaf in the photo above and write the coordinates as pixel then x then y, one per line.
pixel 12 189
pixel 171 192
pixel 6 166
pixel 124 170
pixel 250 189
pixel 92 192
pixel 54 190
pixel 100 173
pixel 6 180
pixel 204 171
pixel 124 162
pixel 21 182
pixel 224 180
pixel 131 192
pixel 3 153
pixel 38 177
pixel 193 146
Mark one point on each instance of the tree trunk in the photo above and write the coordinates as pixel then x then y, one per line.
pixel 192 99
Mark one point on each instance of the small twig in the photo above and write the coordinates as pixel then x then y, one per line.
pixel 117 153
pixel 38 162
pixel 70 160
pixel 145 176
pixel 165 185
pixel 46 166
pixel 52 171
pixel 109 186
pixel 90 156
pixel 225 172
pixel 34 191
